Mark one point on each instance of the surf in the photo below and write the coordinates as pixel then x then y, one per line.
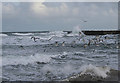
pixel 3 35
pixel 95 73
pixel 23 34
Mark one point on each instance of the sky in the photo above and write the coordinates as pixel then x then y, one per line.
pixel 59 16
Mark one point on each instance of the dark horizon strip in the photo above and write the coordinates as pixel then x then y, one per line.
pixel 86 32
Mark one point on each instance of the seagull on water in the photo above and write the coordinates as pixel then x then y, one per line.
pixel 34 38
pixel 63 44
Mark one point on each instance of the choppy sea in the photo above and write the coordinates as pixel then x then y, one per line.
pixel 57 56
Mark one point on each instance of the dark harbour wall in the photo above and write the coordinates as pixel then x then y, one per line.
pixel 97 32
pixel 101 32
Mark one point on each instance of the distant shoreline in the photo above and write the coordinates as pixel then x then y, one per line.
pixel 87 32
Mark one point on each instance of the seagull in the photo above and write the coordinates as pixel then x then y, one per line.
pixel 84 21
pixel 46 39
pixel 22 47
pixel 117 47
pixel 106 37
pixel 97 45
pixel 80 33
pixel 41 39
pixel 115 42
pixel 56 43
pixel 34 38
pixel 101 40
pixel 89 42
pixel 85 45
pixel 63 44
pixel 73 42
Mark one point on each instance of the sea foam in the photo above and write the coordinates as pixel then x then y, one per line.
pixel 23 34
pixel 93 70
pixel 24 60
pixel 3 35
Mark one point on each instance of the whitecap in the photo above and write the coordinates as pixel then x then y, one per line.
pixel 23 34
pixel 3 35
pixel 24 60
pixel 93 70
pixel 57 33
pixel 72 35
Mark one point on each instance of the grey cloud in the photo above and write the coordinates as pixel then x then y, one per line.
pixel 23 18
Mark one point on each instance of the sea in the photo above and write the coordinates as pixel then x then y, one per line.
pixel 57 56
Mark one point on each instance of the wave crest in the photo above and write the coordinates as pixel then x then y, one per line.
pixel 97 71
pixel 22 34
pixel 3 35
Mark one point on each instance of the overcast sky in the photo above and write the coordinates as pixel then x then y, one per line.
pixel 53 16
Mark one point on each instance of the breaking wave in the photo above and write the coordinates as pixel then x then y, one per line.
pixel 22 34
pixel 94 73
pixel 3 35
pixel 24 60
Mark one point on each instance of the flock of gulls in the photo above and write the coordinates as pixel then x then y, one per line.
pixel 93 41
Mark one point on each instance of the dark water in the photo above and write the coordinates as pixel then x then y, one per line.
pixel 43 60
